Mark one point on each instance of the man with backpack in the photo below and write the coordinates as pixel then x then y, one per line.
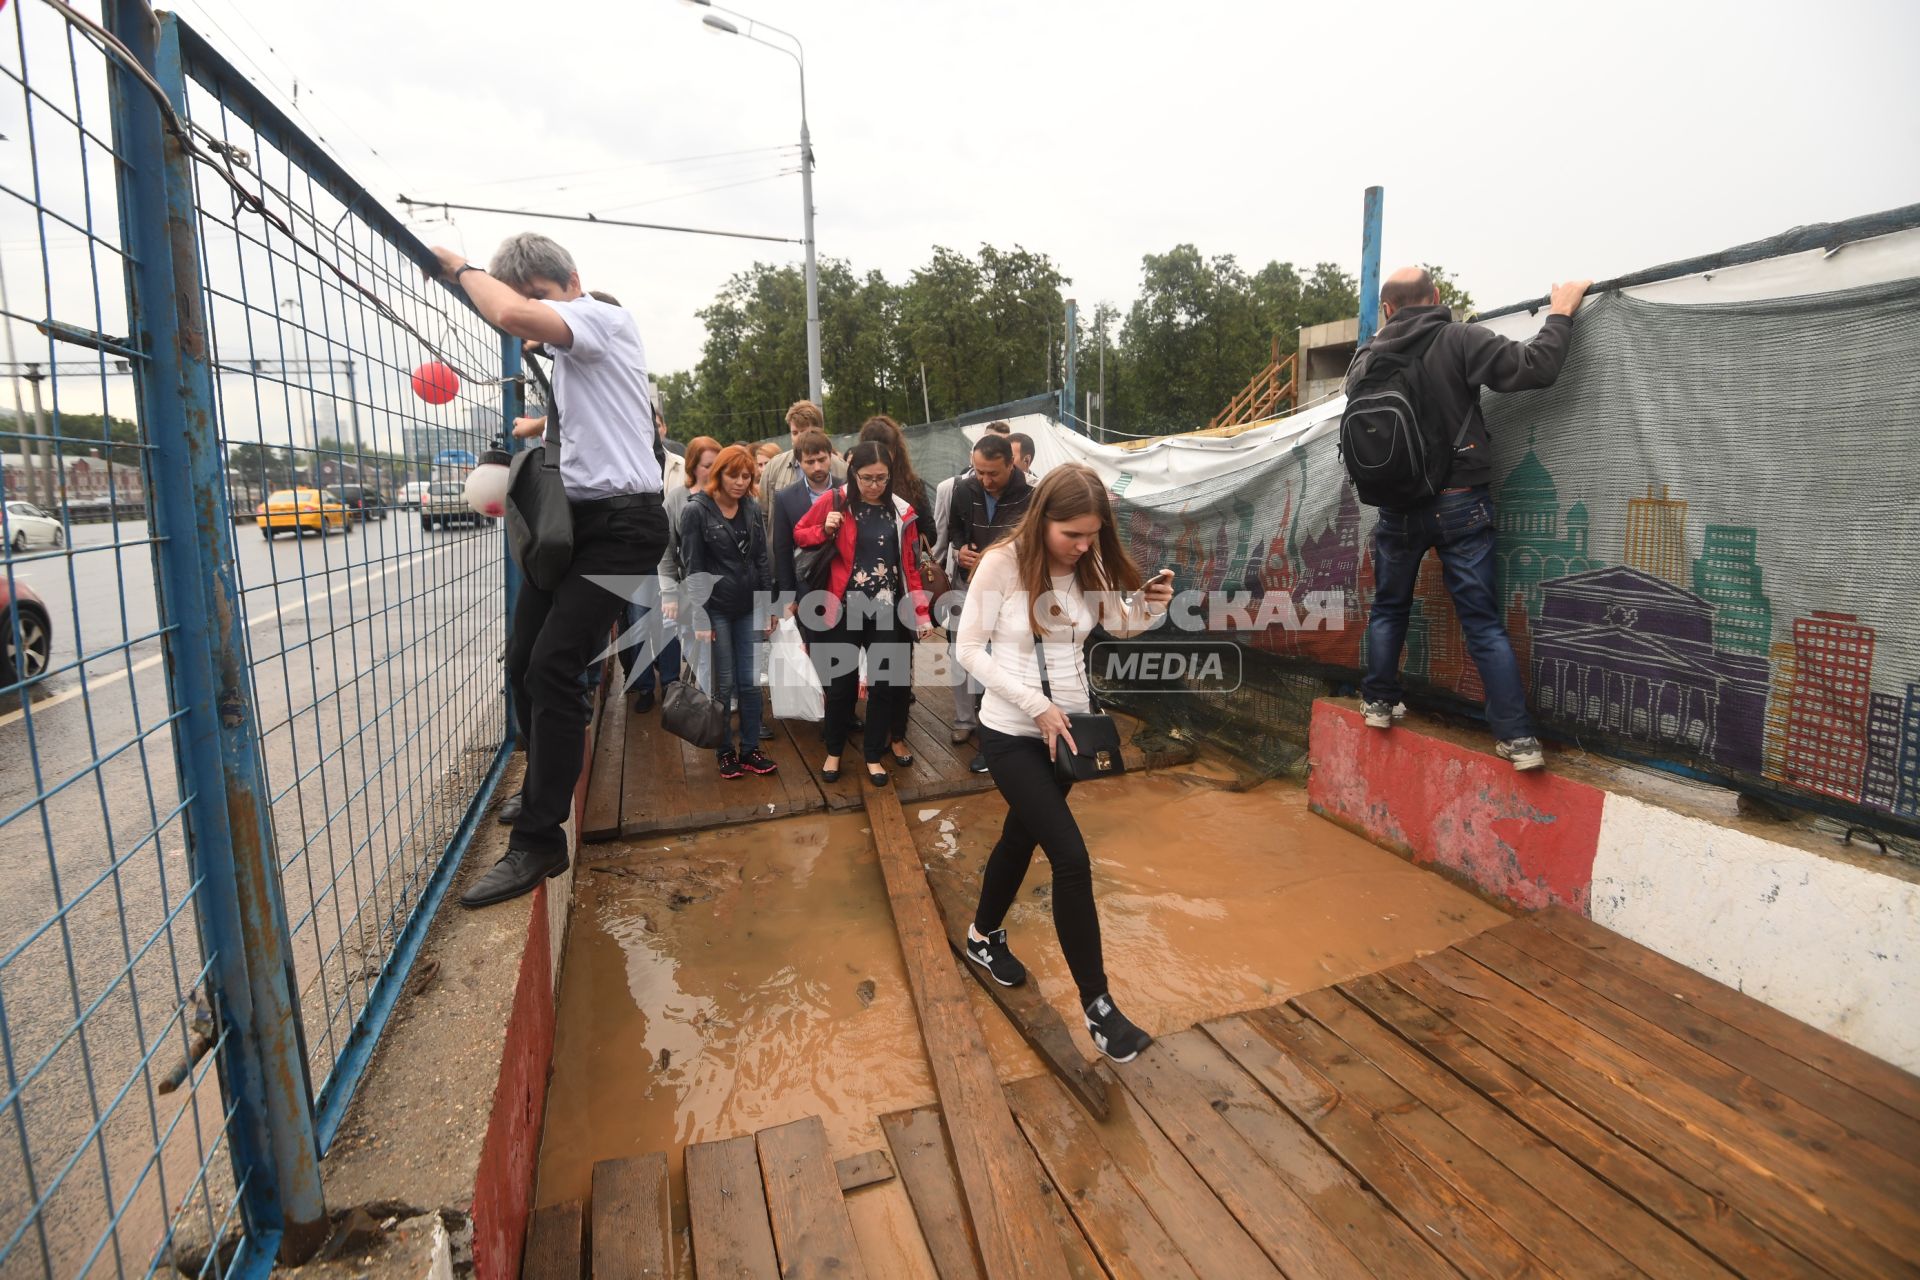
pixel 1415 445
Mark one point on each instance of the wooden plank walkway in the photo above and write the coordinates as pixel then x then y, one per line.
pixel 643 780
pixel 1545 1099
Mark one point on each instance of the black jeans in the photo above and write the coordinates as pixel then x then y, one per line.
pixel 556 636
pixel 836 655
pixel 1037 813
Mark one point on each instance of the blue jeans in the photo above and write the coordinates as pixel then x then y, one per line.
pixel 1460 527
pixel 735 641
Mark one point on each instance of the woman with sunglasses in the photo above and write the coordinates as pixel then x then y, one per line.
pixel 874 603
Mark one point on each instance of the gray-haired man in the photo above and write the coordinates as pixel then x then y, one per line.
pixel 611 470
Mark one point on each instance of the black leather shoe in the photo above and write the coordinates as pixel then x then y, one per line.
pixel 878 779
pixel 509 811
pixel 979 763
pixel 520 871
pixel 643 701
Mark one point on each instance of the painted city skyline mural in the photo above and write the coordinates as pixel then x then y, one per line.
pixel 1722 594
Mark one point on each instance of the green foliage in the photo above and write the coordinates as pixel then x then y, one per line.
pixel 967 331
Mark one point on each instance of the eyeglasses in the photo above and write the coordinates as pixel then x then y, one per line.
pixel 872 483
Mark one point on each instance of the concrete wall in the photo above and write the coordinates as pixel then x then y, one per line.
pixel 1828 937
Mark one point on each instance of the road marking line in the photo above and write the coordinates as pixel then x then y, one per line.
pixel 95 683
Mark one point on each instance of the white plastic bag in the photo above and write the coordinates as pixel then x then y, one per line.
pixel 797 694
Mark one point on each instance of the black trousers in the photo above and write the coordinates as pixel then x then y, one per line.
pixel 1037 814
pixel 836 656
pixel 556 636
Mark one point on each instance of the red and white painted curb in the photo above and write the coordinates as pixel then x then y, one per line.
pixel 1827 940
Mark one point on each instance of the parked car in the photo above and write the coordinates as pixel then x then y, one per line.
pixel 362 503
pixel 296 511
pixel 446 504
pixel 24 658
pixel 26 525
pixel 412 492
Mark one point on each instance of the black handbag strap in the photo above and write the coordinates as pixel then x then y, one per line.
pixel 1046 687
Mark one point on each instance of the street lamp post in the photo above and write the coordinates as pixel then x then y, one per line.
pixel 799 55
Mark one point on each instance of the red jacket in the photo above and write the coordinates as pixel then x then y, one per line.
pixel 812 531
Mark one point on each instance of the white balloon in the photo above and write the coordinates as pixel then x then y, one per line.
pixel 487 489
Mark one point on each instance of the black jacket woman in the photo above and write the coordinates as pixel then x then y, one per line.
pixel 723 551
pixel 1037 594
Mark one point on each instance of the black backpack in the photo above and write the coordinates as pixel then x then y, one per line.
pixel 1396 455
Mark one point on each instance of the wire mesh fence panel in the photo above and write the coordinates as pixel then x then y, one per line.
pixel 113 1132
pixel 353 396
pixel 344 396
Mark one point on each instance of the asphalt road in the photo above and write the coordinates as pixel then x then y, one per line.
pixel 376 684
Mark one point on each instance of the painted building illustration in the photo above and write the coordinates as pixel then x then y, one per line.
pixel 1657 536
pixel 1906 789
pixel 1727 576
pixel 1827 717
pixel 1628 653
pixel 1879 786
pixel 1533 546
pixel 1773 753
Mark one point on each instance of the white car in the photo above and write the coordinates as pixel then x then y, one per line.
pixel 412 492
pixel 27 525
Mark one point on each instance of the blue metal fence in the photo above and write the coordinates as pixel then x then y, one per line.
pixel 251 704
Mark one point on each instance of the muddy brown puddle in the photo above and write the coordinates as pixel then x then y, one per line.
pixel 729 980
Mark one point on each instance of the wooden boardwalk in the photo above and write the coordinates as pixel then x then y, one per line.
pixel 644 780
pixel 1545 1099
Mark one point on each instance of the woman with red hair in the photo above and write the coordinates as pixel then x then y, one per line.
pixel 723 549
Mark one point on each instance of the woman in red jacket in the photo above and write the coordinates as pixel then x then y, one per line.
pixel 875 603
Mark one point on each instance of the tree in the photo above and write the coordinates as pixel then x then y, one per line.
pixel 1451 294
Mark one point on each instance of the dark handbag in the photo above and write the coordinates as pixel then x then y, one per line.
pixel 933 577
pixel 539 517
pixel 812 565
pixel 687 712
pixel 1096 738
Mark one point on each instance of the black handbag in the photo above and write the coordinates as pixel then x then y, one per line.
pixel 812 566
pixel 1096 738
pixel 687 712
pixel 539 517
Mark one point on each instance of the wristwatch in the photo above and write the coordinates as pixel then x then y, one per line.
pixel 466 267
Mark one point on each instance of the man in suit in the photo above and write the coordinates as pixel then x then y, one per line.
pixel 782 468
pixel 815 455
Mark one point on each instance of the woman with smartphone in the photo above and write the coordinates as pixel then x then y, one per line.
pixel 1038 594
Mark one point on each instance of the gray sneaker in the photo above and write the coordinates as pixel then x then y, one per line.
pixel 1524 752
pixel 1379 715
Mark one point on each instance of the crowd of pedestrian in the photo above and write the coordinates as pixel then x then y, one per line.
pixel 866 560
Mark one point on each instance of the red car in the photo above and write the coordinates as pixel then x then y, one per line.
pixel 26 634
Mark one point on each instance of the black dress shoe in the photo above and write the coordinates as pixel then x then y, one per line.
pixel 904 761
pixel 978 764
pixel 880 779
pixel 509 811
pixel 643 701
pixel 520 871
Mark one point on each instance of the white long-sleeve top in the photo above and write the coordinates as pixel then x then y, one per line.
pixel 996 614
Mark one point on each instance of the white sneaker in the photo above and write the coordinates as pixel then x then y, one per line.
pixel 1525 753
pixel 1381 715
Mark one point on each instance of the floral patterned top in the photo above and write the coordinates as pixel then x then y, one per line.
pixel 876 553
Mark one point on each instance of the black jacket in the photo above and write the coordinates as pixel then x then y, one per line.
pixel 789 505
pixel 709 546
pixel 1463 359
pixel 968 524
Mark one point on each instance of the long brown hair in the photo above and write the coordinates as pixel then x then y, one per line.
pixel 695 447
pixel 900 466
pixel 735 457
pixel 1067 493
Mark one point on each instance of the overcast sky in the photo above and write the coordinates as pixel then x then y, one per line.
pixel 1518 143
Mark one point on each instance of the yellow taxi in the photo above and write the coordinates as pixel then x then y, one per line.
pixel 298 510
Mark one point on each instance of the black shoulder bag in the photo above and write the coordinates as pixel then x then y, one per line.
pixel 811 565
pixel 539 518
pixel 1096 738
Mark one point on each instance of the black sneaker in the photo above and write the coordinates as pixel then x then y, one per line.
pixel 755 761
pixel 730 764
pixel 1113 1035
pixel 978 764
pixel 993 955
